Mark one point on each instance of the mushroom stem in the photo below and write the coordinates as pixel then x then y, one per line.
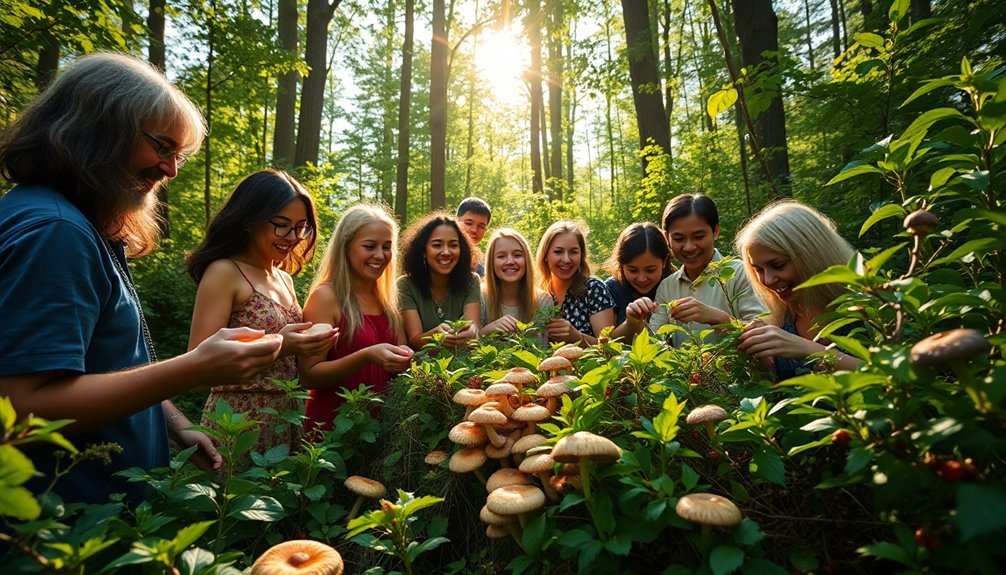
pixel 516 533
pixel 546 486
pixel 496 439
pixel 550 403
pixel 711 430
pixel 356 508
pixel 478 473
pixel 585 463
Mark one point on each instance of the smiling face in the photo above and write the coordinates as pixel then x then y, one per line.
pixel 148 167
pixel 775 270
pixel 509 260
pixel 370 251
pixel 564 256
pixel 692 242
pixel 443 250
pixel 474 226
pixel 643 273
pixel 267 244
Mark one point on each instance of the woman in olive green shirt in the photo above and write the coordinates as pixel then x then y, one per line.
pixel 438 285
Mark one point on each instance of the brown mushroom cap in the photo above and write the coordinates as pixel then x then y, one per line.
pixel 531 412
pixel 487 416
pixel 921 222
pixel 466 396
pixel 571 448
pixel 537 463
pixel 554 363
pixel 501 389
pixel 528 442
pixel 502 451
pixel 468 433
pixel 490 518
pixel 496 532
pixel 555 386
pixel 949 346
pixel 570 351
pixel 299 557
pixel 467 459
pixel 435 457
pixel 515 499
pixel 365 487
pixel 519 376
pixel 504 477
pixel 708 509
pixel 707 413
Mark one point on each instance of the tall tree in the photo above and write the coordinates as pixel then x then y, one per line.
pixel 284 125
pixel 651 119
pixel 312 92
pixel 758 32
pixel 439 49
pixel 155 55
pixel 555 34
pixel 532 26
pixel 404 104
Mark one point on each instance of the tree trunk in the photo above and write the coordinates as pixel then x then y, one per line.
pixel 438 107
pixel 284 128
pixel 554 27
pixel 609 86
pixel 810 39
pixel 48 61
pixel 651 119
pixel 208 142
pixel 532 24
pixel 404 103
pixel 312 92
pixel 570 119
pixel 920 10
pixel 155 55
pixel 836 29
pixel 388 115
pixel 758 32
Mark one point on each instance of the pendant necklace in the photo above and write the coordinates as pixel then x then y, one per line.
pixel 439 304
pixel 127 279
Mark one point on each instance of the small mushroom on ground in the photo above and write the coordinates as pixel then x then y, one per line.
pixel 553 365
pixel 470 398
pixel 363 488
pixel 468 460
pixel 955 348
pixel 435 457
pixel 489 418
pixel 532 414
pixel 708 416
pixel 708 510
pixel 468 433
pixel 515 500
pixel 570 351
pixel 584 447
pixel 500 393
pixel 553 389
pixel 299 557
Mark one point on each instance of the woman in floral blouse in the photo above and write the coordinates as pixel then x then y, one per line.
pixel 564 273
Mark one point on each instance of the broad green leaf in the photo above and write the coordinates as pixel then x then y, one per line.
pixel 876 263
pixel 886 550
pixel 833 275
pixel 747 533
pixel 929 86
pixel 930 117
pixel 898 10
pixel 15 467
pixel 721 101
pixel 869 39
pixel 980 245
pixel 188 535
pixel 18 502
pixel 769 466
pixel 980 509
pixel 859 170
pixel 254 508
pixel 725 559
pixel 882 213
pixel 8 417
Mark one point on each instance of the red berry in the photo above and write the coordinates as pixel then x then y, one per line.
pixel 696 378
pixel 927 539
pixel 841 438
pixel 713 455
pixel 625 390
pixel 608 390
pixel 726 367
pixel 951 471
pixel 475 382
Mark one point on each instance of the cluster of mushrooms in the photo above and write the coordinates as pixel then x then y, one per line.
pixel 501 424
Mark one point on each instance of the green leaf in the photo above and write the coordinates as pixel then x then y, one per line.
pixel 19 503
pixel 876 263
pixel 857 460
pixel 8 417
pixel 929 86
pixel 747 533
pixel 769 466
pixel 725 559
pixel 839 274
pixel 425 546
pixel 534 535
pixel 859 170
pixel 257 508
pixel 980 245
pixel 721 101
pixel 980 509
pixel 15 467
pixel 882 213
pixel 869 40
pixel 575 539
pixel 887 550
pixel 189 535
pixel 898 10
pixel 930 117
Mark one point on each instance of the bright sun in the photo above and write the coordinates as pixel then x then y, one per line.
pixel 501 57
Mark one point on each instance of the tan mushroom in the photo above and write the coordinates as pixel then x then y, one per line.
pixel 468 433
pixel 553 365
pixel 515 500
pixel 506 476
pixel 500 393
pixel 435 457
pixel 468 460
pixel 520 377
pixel 708 509
pixel 470 398
pixel 541 465
pixel 708 416
pixel 363 488
pixel 490 418
pixel 584 447
pixel 299 557
pixel 570 351
pixel 526 442
pixel 955 348
pixel 921 222
pixel 532 414
pixel 553 389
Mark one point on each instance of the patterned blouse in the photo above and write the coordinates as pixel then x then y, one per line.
pixel 578 309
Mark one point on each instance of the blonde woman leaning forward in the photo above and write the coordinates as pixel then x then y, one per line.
pixel 509 293
pixel 782 247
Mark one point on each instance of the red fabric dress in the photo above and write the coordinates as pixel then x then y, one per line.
pixel 324 403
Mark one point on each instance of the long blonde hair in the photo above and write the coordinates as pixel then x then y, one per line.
pixel 579 284
pixel 527 291
pixel 334 269
pixel 809 239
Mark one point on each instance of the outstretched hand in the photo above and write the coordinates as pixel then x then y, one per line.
pixel 688 309
pixel 559 329
pixel 391 358
pixel 300 339
pixel 232 355
pixel 765 341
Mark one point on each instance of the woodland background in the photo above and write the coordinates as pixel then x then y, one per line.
pixel 617 108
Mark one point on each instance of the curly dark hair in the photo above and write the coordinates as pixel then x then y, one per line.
pixel 413 249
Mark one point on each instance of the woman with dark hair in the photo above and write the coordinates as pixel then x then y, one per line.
pixel 639 261
pixel 264 233
pixel 438 285
pixel 691 224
